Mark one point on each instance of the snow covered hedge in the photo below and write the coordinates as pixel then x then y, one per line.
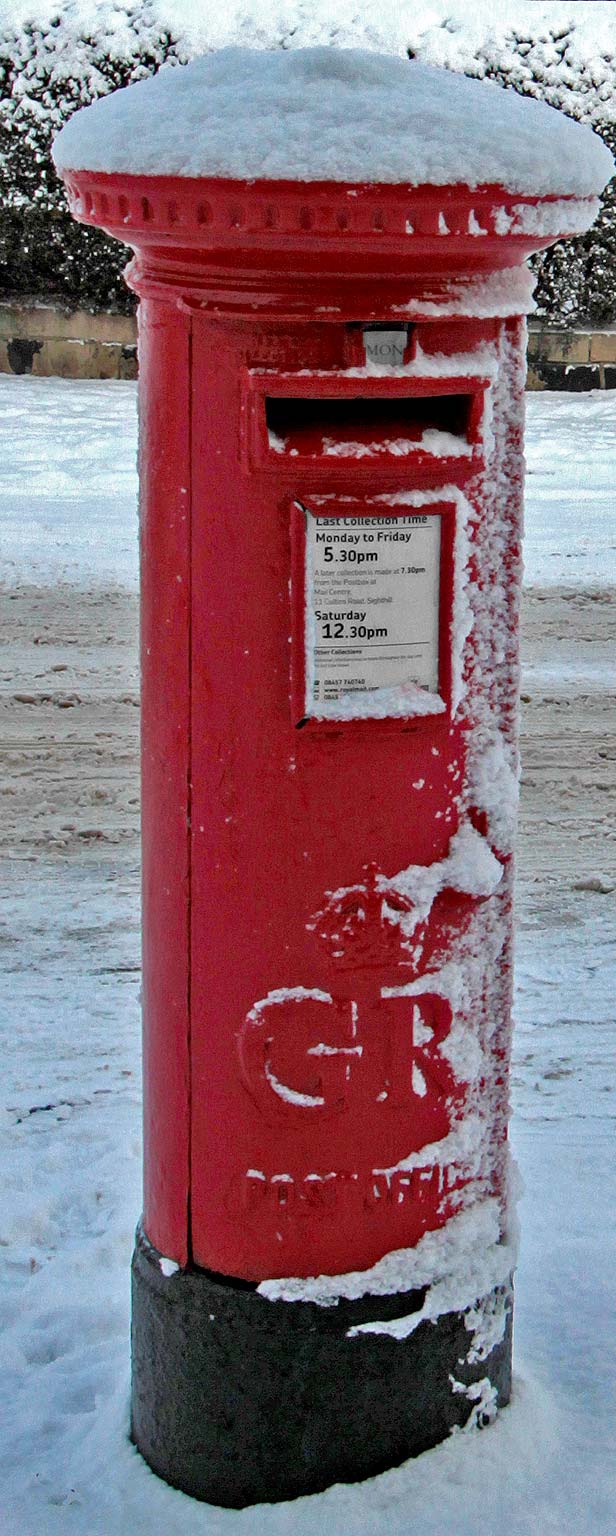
pixel 565 55
pixel 56 57
pixel 48 68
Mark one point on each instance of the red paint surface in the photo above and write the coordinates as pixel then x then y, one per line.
pixel 165 736
pixel 270 1121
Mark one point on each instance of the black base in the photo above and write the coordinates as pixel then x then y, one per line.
pixel 240 1400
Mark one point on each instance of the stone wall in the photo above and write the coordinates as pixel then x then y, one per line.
pixel 51 343
pixel 573 360
pixel 68 345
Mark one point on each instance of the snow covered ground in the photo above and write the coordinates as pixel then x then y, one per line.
pixel 69 980
pixel 69 485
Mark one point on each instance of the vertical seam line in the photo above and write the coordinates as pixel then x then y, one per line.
pixel 189 541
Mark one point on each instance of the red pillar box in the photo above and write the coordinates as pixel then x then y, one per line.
pixel 332 374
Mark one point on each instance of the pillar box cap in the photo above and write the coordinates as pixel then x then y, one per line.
pixel 330 162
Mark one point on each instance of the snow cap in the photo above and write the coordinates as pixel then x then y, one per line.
pixel 332 114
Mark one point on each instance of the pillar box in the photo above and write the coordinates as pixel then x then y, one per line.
pixel 332 370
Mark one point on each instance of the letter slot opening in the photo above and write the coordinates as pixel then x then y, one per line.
pixel 361 427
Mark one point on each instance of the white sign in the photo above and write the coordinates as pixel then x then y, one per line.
pixel 372 594
pixel 385 347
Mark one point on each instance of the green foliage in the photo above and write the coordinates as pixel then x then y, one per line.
pixel 45 75
pixel 577 278
pixel 566 65
pixel 48 70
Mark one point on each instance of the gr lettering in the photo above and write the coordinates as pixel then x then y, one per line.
pixel 304 1052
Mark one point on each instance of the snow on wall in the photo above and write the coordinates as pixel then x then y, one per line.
pixel 556 218
pixel 473 970
pixel 474 1252
pixel 490 526
pixel 485 625
pixel 462 1262
pixel 484 1398
pixel 469 866
pixel 332 114
pixel 492 781
pixel 493 774
pixel 431 441
pixel 405 701
pixel 498 294
pixel 467 976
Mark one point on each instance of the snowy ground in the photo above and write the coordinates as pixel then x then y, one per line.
pixel 70 1128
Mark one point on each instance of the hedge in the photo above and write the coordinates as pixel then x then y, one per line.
pixel 66 58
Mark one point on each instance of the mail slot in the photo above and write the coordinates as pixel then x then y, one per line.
pixel 384 419
pixel 331 394
pixel 360 427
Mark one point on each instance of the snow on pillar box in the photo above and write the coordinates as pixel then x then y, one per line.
pixel 332 375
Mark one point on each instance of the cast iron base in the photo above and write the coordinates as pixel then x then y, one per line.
pixel 239 1400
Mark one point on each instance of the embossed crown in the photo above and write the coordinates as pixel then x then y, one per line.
pixel 363 923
